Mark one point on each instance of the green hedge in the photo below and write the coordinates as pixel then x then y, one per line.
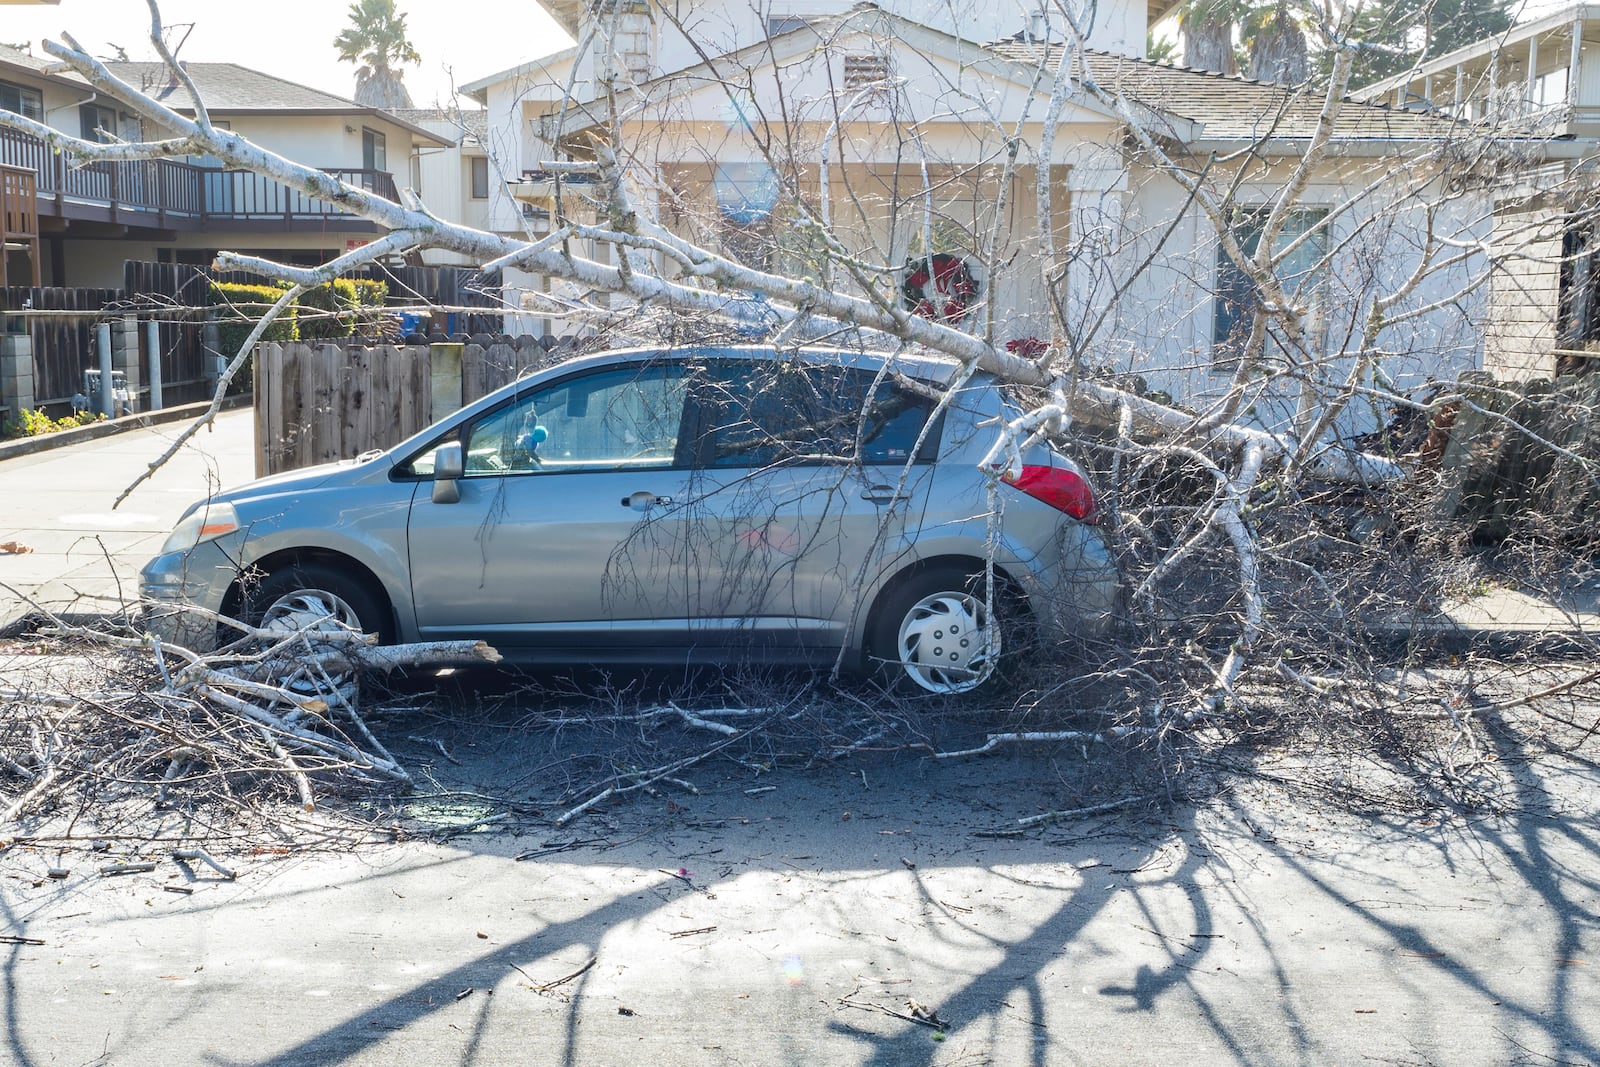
pixel 371 296
pixel 341 308
pixel 241 307
pixel 328 311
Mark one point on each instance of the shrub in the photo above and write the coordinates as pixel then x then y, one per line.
pixel 371 296
pixel 334 308
pixel 32 423
pixel 243 306
pixel 370 293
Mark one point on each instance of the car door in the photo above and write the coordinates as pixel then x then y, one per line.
pixel 810 477
pixel 565 532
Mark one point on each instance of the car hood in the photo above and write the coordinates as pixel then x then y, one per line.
pixel 302 480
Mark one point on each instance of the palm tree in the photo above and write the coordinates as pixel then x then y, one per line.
pixel 376 39
pixel 1277 45
pixel 1269 33
pixel 1206 28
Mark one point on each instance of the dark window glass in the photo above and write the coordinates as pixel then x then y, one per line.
pixel 97 123
pixel 22 101
pixel 1301 273
pixel 622 419
pixel 771 413
pixel 374 150
pixel 480 178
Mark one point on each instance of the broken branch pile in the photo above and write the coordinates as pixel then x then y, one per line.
pixel 276 710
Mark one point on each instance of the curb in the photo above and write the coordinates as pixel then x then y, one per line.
pixel 27 446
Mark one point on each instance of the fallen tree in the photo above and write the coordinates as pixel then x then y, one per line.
pixel 1212 501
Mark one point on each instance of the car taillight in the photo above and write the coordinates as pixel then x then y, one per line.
pixel 1061 488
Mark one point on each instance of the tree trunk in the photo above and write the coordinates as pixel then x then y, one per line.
pixel 1208 45
pixel 1278 51
pixel 387 91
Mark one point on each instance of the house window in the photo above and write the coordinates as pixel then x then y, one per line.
pixel 777 24
pixel 1301 274
pixel 865 70
pixel 97 123
pixel 1578 312
pixel 374 150
pixel 480 177
pixel 22 101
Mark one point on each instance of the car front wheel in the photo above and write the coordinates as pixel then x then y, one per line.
pixel 310 597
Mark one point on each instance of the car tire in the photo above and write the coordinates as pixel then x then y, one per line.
pixel 930 638
pixel 293 596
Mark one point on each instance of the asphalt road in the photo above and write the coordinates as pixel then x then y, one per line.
pixel 811 923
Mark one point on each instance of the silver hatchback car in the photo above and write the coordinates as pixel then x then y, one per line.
pixel 680 506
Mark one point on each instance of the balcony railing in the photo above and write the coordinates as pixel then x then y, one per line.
pixel 175 188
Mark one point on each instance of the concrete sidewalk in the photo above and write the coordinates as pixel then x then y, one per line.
pixel 85 553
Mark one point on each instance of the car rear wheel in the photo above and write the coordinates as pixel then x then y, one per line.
pixel 936 635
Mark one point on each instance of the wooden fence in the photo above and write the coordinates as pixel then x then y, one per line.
pixel 176 295
pixel 63 345
pixel 316 403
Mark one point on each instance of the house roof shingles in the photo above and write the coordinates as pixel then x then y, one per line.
pixel 228 87
pixel 1232 108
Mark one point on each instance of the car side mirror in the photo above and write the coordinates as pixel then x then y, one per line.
pixel 449 464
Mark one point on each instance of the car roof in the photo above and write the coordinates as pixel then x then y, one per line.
pixel 939 370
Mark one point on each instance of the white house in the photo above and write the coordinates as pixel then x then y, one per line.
pixel 454 180
pixel 912 135
pixel 1541 79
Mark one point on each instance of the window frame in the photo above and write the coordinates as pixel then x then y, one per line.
pixel 478 177
pixel 683 454
pixel 1234 291
pixel 90 129
pixel 374 144
pixel 24 93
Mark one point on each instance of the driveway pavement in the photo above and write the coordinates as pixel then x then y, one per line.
pixel 85 552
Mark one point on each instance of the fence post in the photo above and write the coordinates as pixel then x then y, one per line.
pixel 16 372
pixel 125 343
pixel 152 344
pixel 445 372
pixel 211 344
pixel 102 344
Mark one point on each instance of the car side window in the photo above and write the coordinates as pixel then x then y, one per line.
pixel 620 419
pixel 766 413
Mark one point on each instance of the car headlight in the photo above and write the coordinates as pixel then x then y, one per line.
pixel 207 522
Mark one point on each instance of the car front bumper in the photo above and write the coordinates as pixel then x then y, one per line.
pixel 174 584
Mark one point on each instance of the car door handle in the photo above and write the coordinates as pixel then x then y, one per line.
pixel 643 501
pixel 883 494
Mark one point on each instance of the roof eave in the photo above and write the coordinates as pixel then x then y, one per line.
pixel 379 114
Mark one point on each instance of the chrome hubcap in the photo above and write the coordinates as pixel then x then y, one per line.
pixel 945 646
pixel 308 611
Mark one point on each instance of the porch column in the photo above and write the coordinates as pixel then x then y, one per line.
pixel 1574 69
pixel 1533 68
pixel 1492 108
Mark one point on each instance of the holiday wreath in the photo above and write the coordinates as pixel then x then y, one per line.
pixel 939 287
